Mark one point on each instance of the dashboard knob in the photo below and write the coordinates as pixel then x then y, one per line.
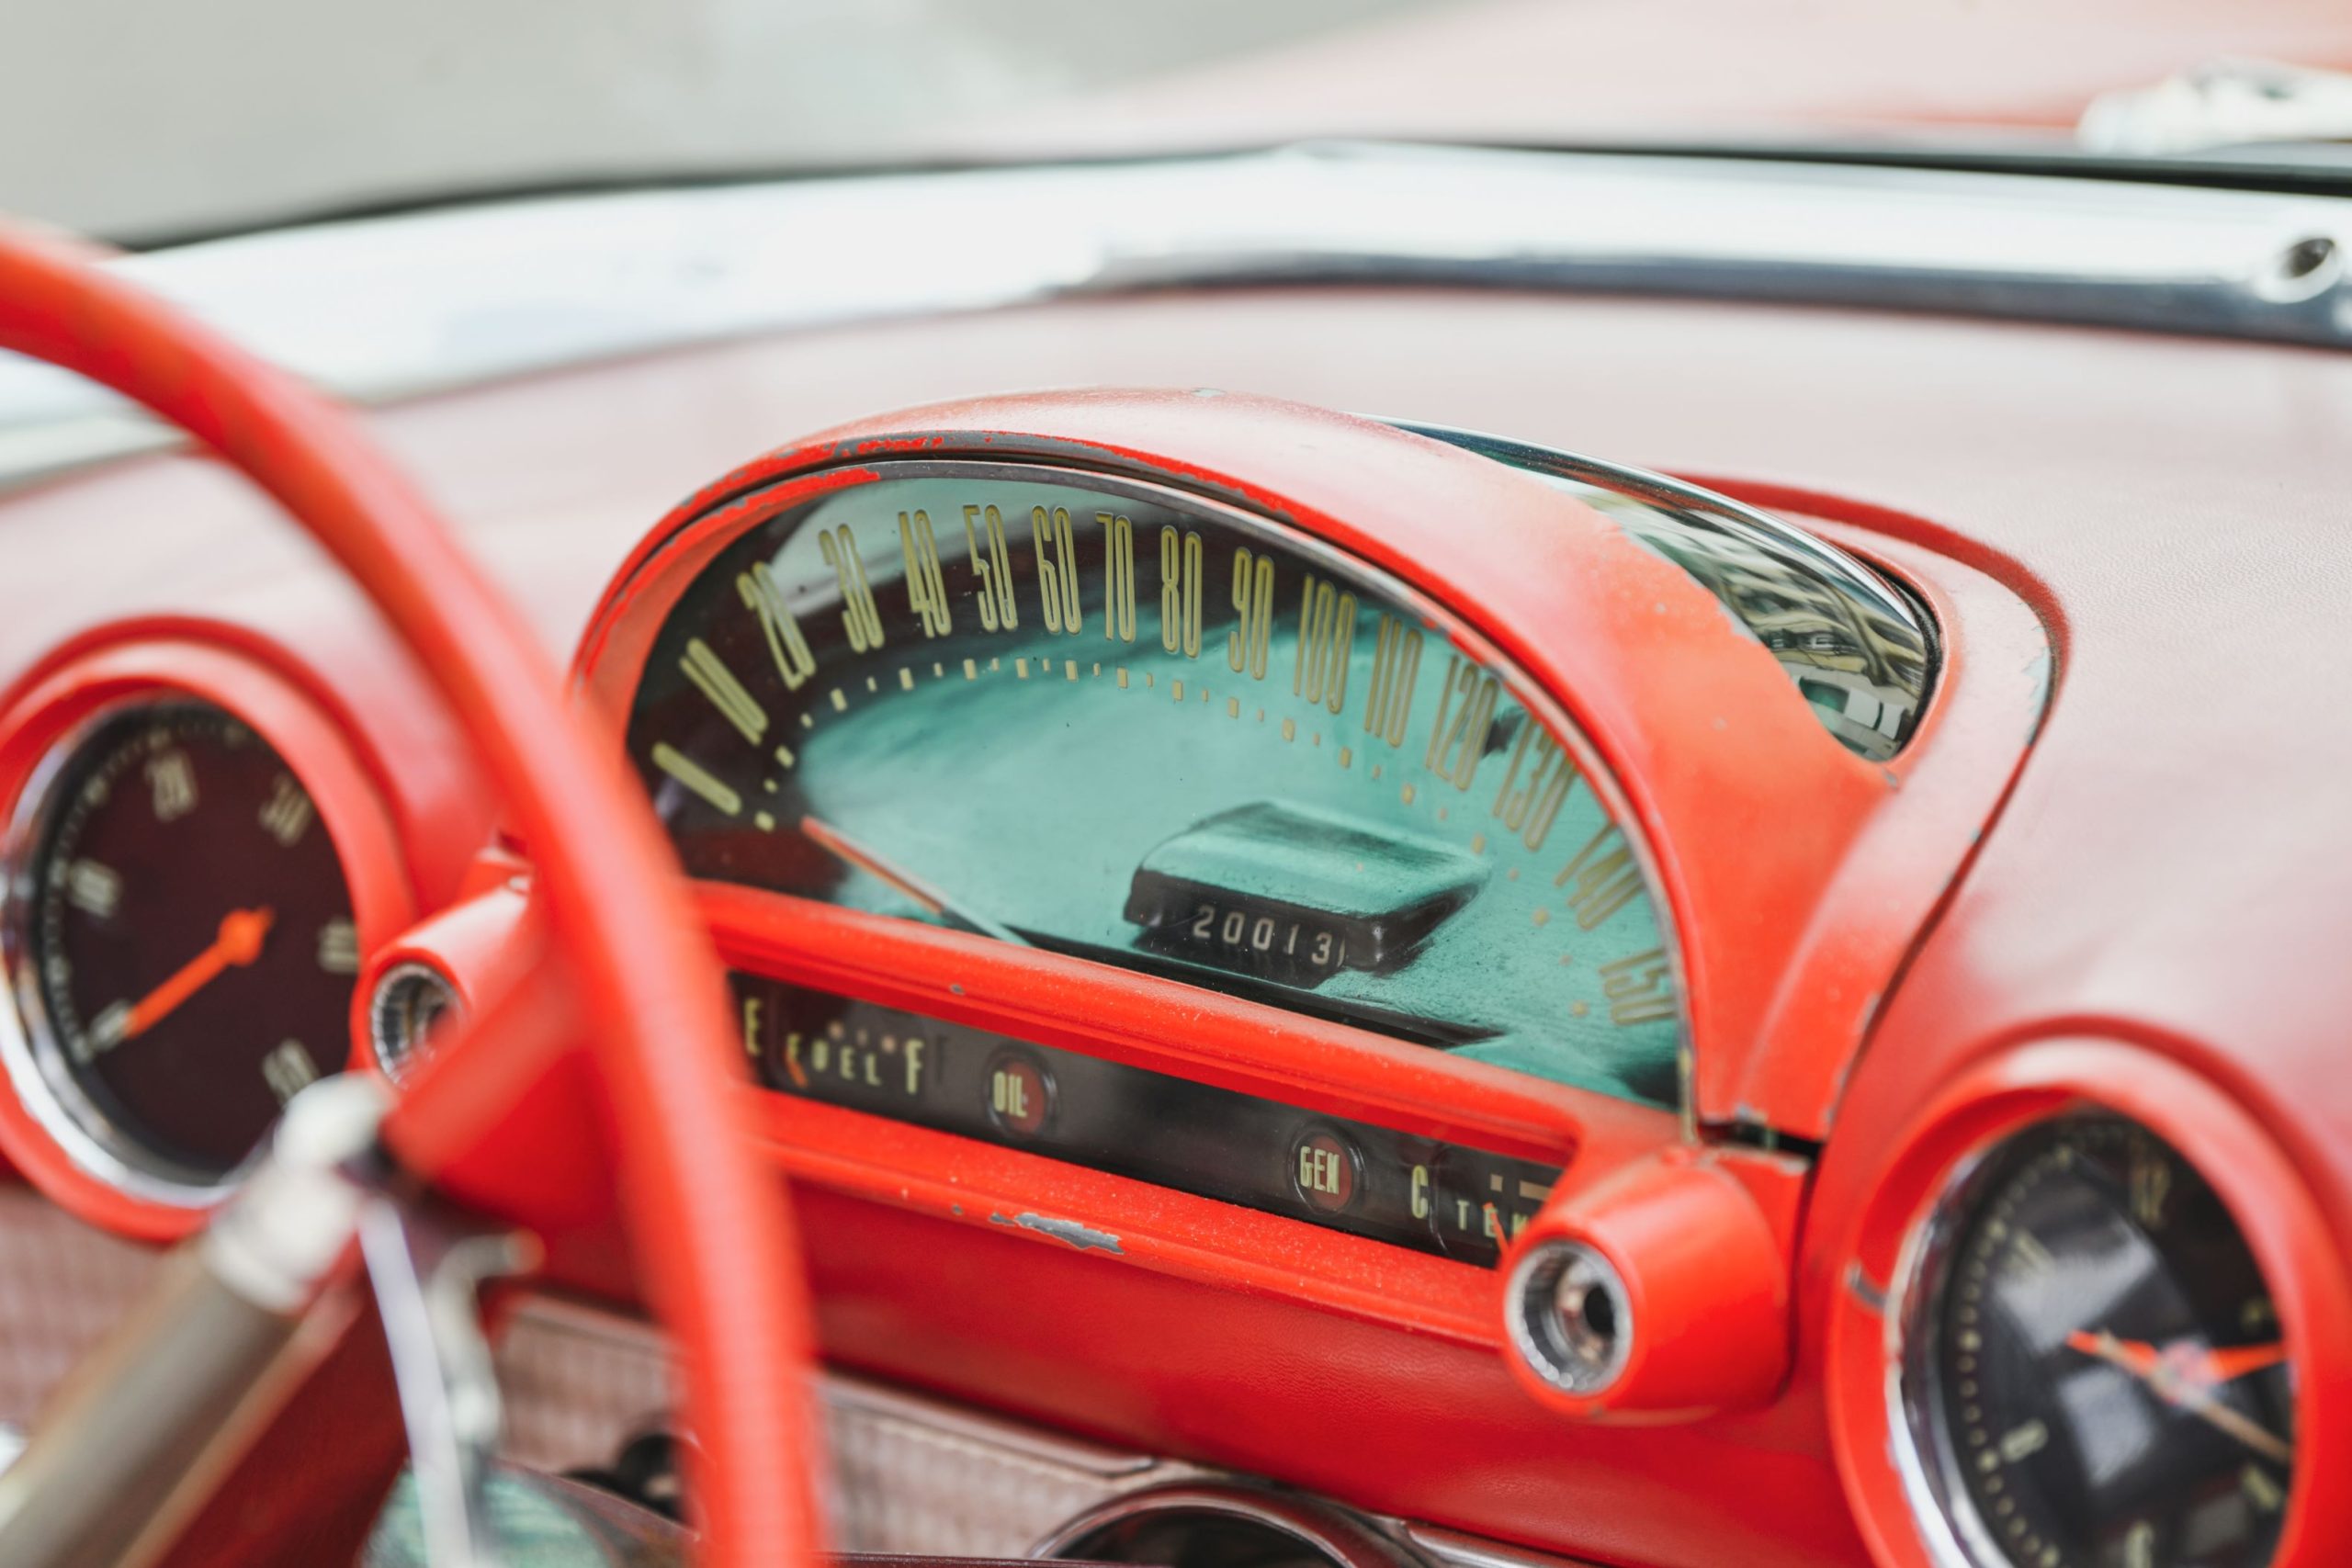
pixel 1659 1292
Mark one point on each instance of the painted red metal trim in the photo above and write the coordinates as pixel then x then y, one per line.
pixel 1077 1005
pixel 1799 877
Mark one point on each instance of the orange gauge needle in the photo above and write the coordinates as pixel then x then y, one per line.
pixel 2186 1380
pixel 2205 1367
pixel 2133 1355
pixel 2243 1360
pixel 238 944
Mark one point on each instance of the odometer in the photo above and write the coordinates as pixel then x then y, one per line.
pixel 1270 889
pixel 1101 718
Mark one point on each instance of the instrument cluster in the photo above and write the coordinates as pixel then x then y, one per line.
pixel 1099 718
pixel 1077 823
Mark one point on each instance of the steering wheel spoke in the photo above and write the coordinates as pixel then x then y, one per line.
pixel 712 1235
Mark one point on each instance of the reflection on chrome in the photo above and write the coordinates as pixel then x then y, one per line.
pixel 509 289
pixel 1861 654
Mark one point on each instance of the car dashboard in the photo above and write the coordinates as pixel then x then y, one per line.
pixel 1699 937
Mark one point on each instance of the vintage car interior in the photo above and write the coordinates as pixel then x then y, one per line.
pixel 1356 853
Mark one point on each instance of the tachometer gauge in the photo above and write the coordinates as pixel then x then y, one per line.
pixel 183 937
pixel 2093 1373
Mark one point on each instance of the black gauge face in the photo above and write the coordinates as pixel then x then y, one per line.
pixel 2099 1367
pixel 189 940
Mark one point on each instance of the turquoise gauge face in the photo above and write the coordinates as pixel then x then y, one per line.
pixel 1177 740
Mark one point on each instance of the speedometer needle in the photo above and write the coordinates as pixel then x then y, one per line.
pixel 237 944
pixel 2186 1382
pixel 843 848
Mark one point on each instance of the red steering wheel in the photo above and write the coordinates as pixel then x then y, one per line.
pixel 708 1218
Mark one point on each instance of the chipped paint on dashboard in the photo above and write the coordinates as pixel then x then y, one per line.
pixel 1083 1237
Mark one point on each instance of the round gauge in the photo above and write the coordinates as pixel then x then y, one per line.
pixel 2093 1367
pixel 186 942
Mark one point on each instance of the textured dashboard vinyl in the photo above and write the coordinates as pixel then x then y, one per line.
pixel 909 1475
pixel 61 1286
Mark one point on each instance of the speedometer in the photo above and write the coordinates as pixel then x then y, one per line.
pixel 1103 718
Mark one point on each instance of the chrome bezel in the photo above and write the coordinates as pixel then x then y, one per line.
pixel 395 1051
pixel 1533 1294
pixel 31 1051
pixel 1948 1525
pixel 1342 1539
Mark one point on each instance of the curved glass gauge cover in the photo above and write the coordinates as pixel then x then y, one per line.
pixel 1094 716
pixel 2093 1370
pixel 1861 654
pixel 183 936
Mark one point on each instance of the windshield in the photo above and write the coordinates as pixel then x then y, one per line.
pixel 145 120
pixel 154 120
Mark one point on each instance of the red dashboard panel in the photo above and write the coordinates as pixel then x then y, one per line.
pixel 2130 891
pixel 1798 873
pixel 1798 876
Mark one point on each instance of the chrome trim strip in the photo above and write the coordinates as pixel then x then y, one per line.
pixel 1452 1549
pixel 1867 653
pixel 463 295
pixel 1682 500
pixel 1340 1539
